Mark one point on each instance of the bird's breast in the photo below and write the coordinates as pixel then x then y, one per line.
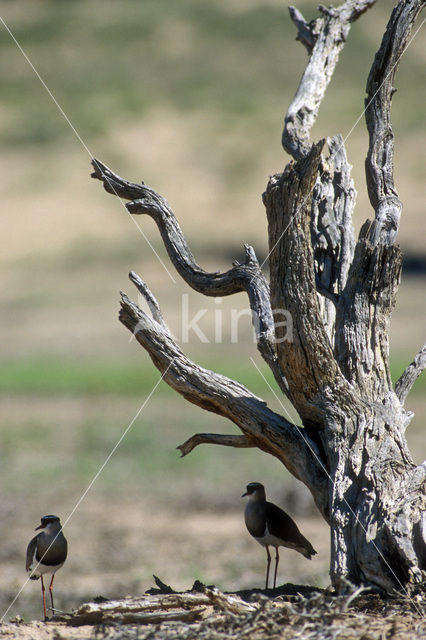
pixel 255 519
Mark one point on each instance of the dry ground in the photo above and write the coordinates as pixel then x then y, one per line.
pixel 149 512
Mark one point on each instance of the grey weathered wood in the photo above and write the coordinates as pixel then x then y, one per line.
pixel 307 361
pixel 242 277
pixel 404 384
pixel 370 293
pixel 147 609
pixel 334 197
pixel 331 31
pixel 363 318
pixel 153 305
pixel 214 392
pixel 229 602
pixel 225 440
pixel 159 608
pixel 351 452
pixel 306 32
pixel 379 163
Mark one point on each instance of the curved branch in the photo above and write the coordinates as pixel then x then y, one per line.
pixel 242 277
pixel 379 162
pixel 330 33
pixel 214 438
pixel 214 392
pixel 406 381
pixel 246 277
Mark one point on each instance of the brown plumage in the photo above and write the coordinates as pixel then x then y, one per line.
pixel 271 526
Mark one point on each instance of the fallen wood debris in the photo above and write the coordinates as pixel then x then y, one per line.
pixel 150 609
pixel 205 613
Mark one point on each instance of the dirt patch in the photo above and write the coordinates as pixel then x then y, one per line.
pixel 285 613
pixel 116 544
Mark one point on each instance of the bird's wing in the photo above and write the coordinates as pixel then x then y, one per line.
pixel 31 549
pixel 280 524
pixel 283 526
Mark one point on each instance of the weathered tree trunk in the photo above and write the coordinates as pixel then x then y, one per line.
pixel 351 451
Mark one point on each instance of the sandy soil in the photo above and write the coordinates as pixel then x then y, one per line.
pixel 116 545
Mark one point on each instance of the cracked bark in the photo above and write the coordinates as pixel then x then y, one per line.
pixel 351 451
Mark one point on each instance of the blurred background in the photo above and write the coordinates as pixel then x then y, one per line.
pixel 190 97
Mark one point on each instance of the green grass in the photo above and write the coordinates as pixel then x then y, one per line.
pixel 50 376
pixel 57 377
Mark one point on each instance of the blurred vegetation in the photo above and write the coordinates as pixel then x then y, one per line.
pixel 107 61
pixel 234 66
pixel 58 377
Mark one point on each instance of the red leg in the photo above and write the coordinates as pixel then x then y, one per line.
pixel 277 559
pixel 51 593
pixel 44 599
pixel 267 566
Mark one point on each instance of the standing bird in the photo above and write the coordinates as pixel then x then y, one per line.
pixel 270 525
pixel 47 553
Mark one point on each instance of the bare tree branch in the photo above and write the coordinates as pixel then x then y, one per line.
pixel 406 381
pixel 331 31
pixel 364 309
pixel 246 277
pixel 214 438
pixel 306 31
pixel 217 393
pixel 379 163
pixel 154 307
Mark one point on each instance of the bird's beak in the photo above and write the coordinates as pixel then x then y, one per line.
pixel 244 494
pixel 40 526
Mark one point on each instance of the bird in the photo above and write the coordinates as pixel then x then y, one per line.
pixel 46 553
pixel 271 526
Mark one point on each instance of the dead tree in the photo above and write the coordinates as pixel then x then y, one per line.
pixel 351 451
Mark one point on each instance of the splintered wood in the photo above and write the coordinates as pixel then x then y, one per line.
pixel 157 608
pixel 206 612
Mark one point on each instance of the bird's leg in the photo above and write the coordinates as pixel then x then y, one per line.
pixel 44 599
pixel 267 566
pixel 51 593
pixel 277 559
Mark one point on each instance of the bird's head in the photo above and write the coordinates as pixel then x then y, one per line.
pixel 49 522
pixel 255 491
